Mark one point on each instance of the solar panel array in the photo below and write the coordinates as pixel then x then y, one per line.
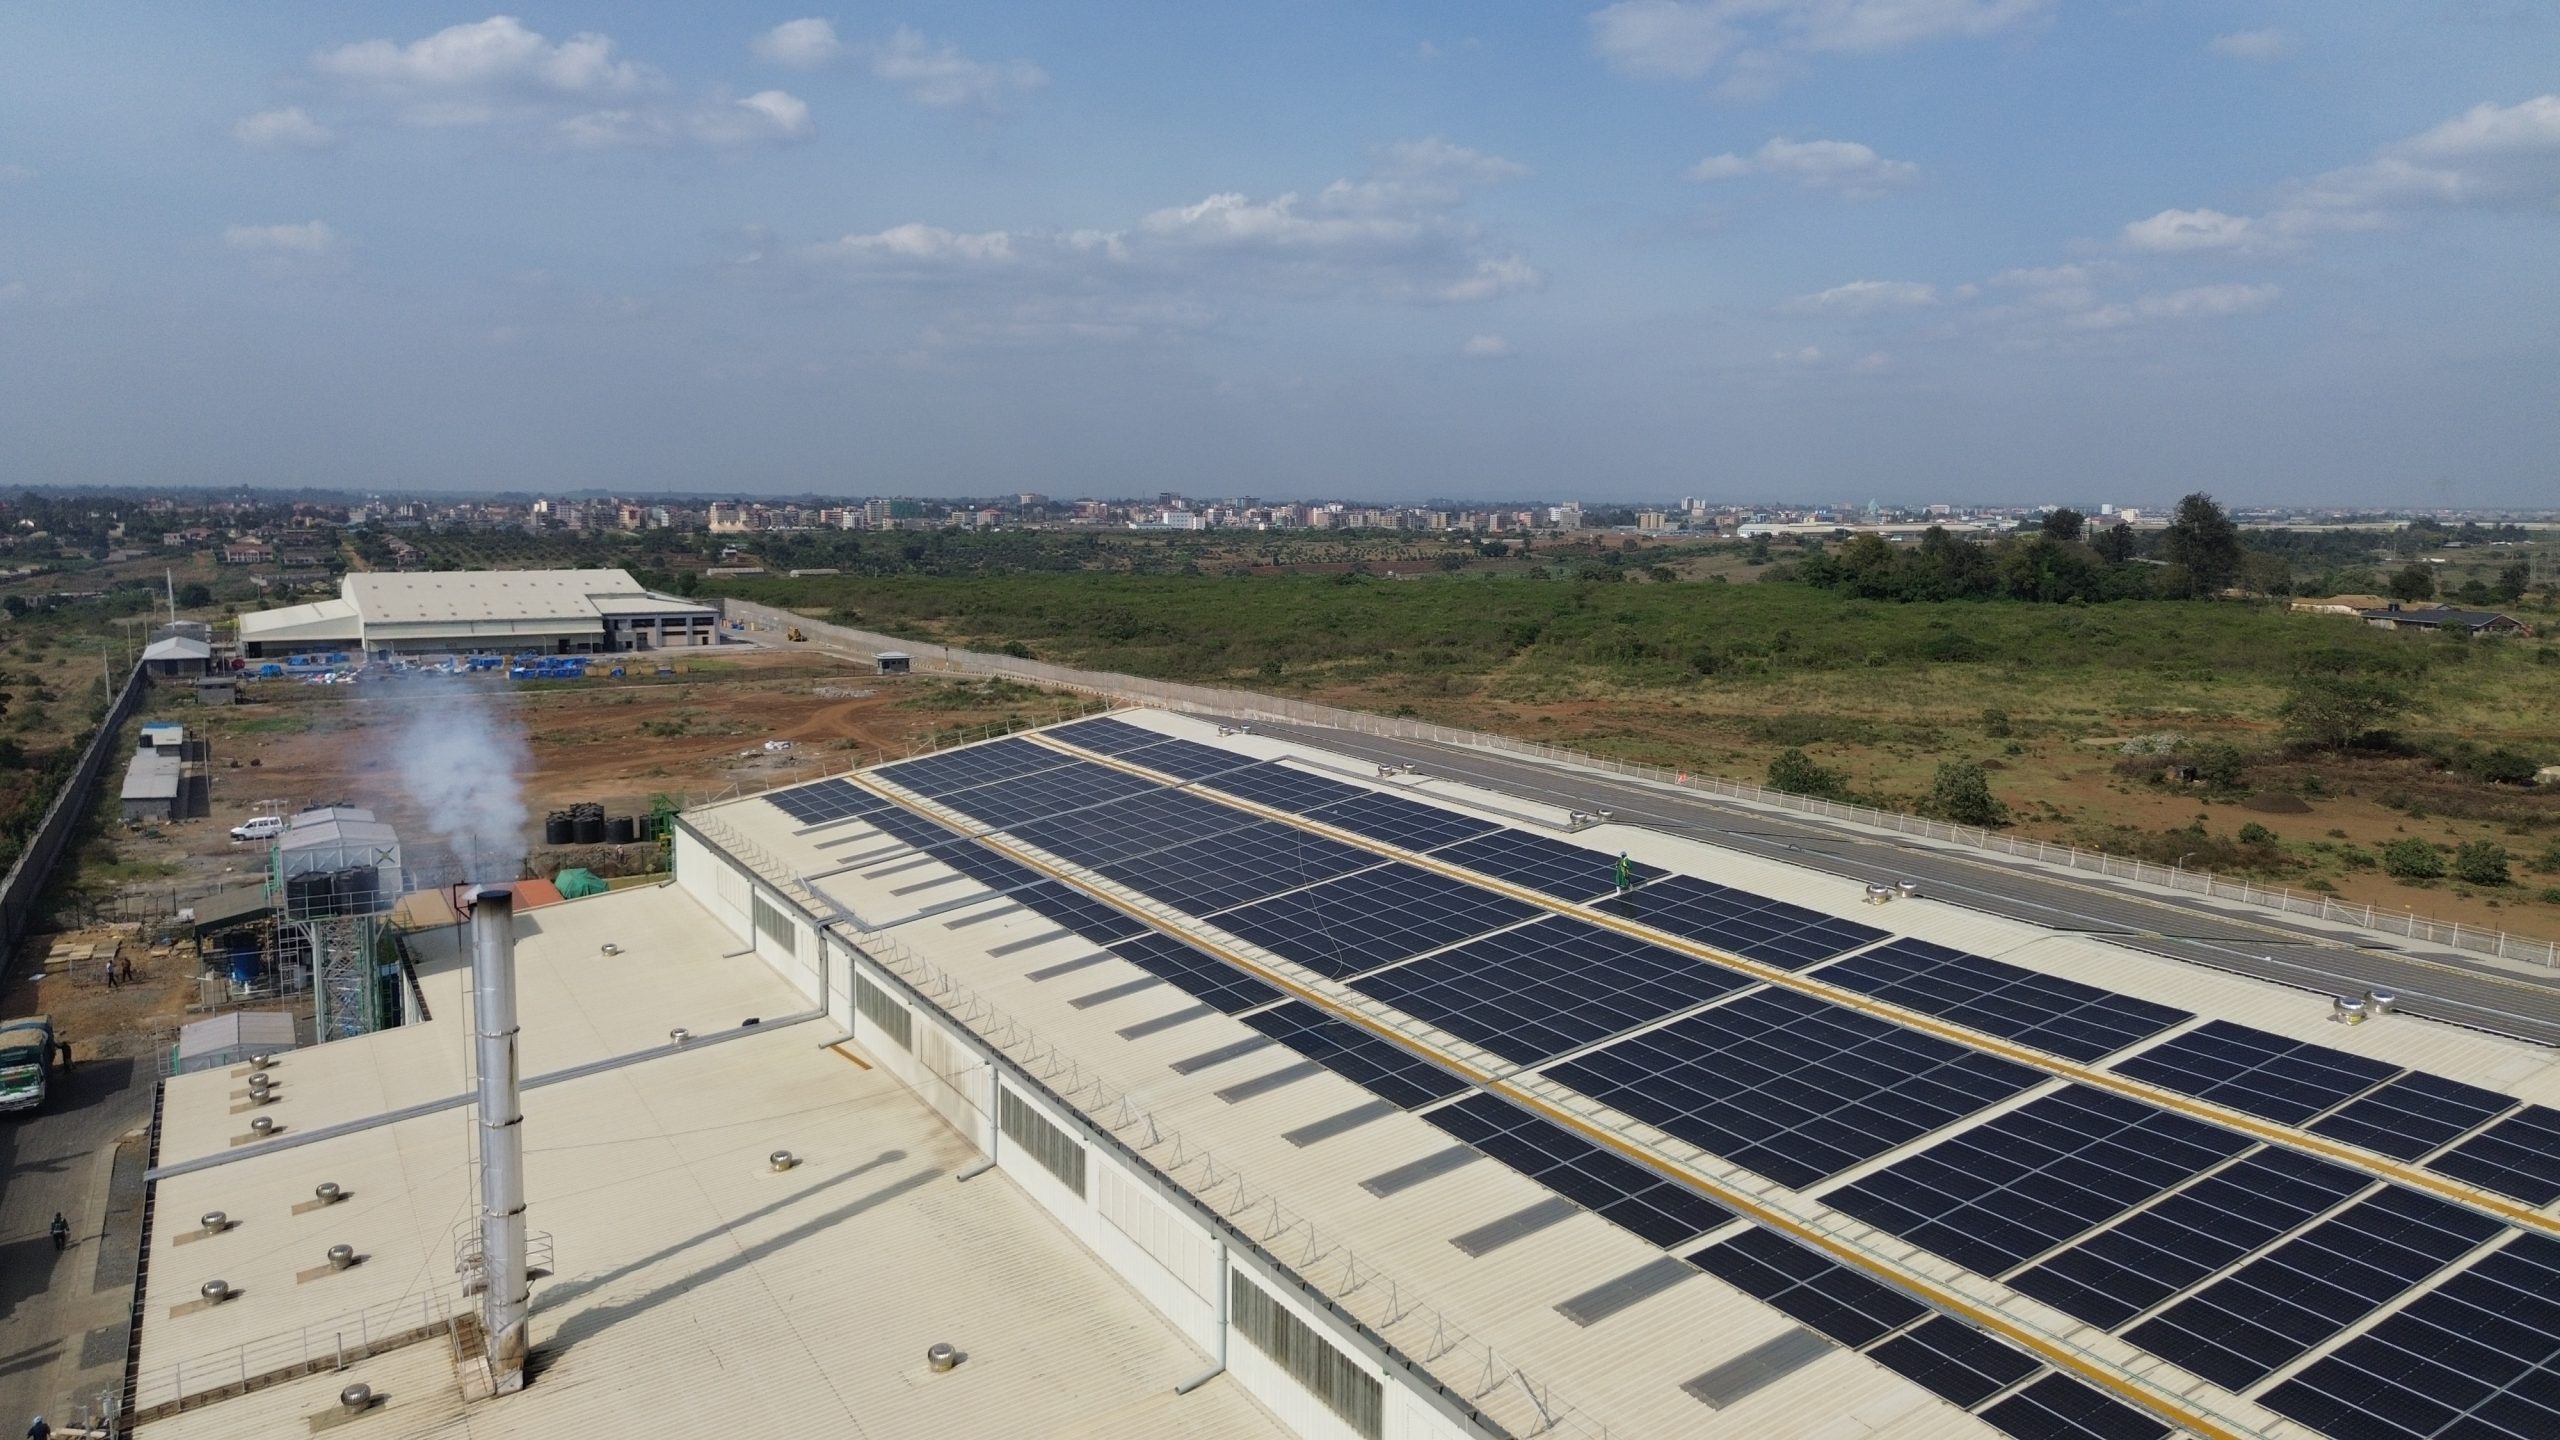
pixel 2230 1259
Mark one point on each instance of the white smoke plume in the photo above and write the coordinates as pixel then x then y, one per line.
pixel 461 764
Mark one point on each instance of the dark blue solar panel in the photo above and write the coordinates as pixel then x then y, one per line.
pixel 2058 1407
pixel 1547 987
pixel 2153 1254
pixel 822 801
pixel 1186 759
pixel 1203 975
pixel 2296 1297
pixel 1282 787
pixel 2518 1156
pixel 1955 1362
pixel 914 829
pixel 1769 931
pixel 2413 1115
pixel 2250 1070
pixel 1105 736
pixel 1075 786
pixel 987 867
pixel 942 773
pixel 1790 1086
pixel 2019 1183
pixel 1154 820
pixel 1390 1071
pixel 1370 918
pixel 1600 1180
pixel 1810 1289
pixel 1399 821
pixel 1078 911
pixel 2080 1022
pixel 1569 872
pixel 2477 1357
pixel 1263 858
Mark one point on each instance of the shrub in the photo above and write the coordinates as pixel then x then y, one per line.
pixel 2412 859
pixel 2220 766
pixel 2254 833
pixel 2480 862
pixel 1962 793
pixel 2551 896
pixel 1796 773
pixel 1995 723
pixel 2549 859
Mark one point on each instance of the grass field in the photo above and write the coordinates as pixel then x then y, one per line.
pixel 1720 678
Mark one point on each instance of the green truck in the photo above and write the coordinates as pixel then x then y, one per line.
pixel 26 1061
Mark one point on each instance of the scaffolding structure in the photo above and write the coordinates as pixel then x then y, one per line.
pixel 335 875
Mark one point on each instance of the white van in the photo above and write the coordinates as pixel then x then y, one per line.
pixel 259 827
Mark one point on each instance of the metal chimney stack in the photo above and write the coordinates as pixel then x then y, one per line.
pixel 506 1300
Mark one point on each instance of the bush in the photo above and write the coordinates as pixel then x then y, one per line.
pixel 2412 859
pixel 1962 793
pixel 2480 862
pixel 2254 833
pixel 2221 766
pixel 1796 773
pixel 1995 723
pixel 2551 896
pixel 2549 859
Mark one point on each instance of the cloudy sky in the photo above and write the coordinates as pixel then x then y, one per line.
pixel 2064 250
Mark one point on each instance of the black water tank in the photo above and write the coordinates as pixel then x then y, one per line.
pixel 358 889
pixel 620 831
pixel 307 895
pixel 589 829
pixel 558 828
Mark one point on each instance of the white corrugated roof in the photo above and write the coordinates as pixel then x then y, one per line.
pixel 320 622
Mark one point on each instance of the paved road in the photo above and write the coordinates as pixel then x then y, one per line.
pixel 62 1317
pixel 2325 960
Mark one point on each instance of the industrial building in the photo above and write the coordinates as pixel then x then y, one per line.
pixel 166 777
pixel 1141 1077
pixel 551 612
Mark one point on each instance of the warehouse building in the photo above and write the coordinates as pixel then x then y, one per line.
pixel 550 612
pixel 1184 1082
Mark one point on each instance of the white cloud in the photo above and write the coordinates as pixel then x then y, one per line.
pixel 940 76
pixel 465 74
pixel 1688 39
pixel 800 44
pixel 14 174
pixel 1865 297
pixel 1844 166
pixel 286 129
pixel 2252 45
pixel 311 238
pixel 1485 347
pixel 1493 276
pixel 2052 287
pixel 2174 231
pixel 1809 355
pixel 2202 302
pixel 1872 362
pixel 922 245
pixel 1433 158
pixel 768 117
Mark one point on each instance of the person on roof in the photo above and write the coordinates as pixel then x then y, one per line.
pixel 39 1430
pixel 61 1235
pixel 1626 873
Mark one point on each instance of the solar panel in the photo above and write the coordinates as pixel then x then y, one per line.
pixel 1370 918
pixel 2019 1183
pixel 1203 975
pixel 1105 736
pixel 1569 872
pixel 1075 785
pixel 1550 986
pixel 1390 1071
pixel 1283 787
pixel 2413 1115
pixel 823 800
pixel 1152 820
pixel 2079 1022
pixel 1793 1087
pixel 987 867
pixel 1770 931
pixel 1953 1361
pixel 2296 1297
pixel 2479 1355
pixel 913 829
pixel 2153 1254
pixel 2518 1156
pixel 2250 1070
pixel 1078 911
pixel 1263 858
pixel 1188 759
pixel 940 774
pixel 1399 821
pixel 1650 1205
pixel 2058 1407
pixel 1807 1288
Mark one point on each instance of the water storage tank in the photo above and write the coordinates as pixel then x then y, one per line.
pixel 306 896
pixel 359 890
pixel 620 830
pixel 558 828
pixel 590 830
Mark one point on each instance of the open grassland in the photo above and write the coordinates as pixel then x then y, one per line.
pixel 1721 678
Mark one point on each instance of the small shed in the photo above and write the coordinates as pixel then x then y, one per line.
pixel 217 690
pixel 221 1041
pixel 177 658
pixel 895 662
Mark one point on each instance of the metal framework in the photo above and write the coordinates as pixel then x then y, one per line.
pixel 334 876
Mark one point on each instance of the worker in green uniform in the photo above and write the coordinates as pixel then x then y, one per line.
pixel 1626 873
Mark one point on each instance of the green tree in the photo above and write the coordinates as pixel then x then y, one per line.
pixel 2114 544
pixel 2413 859
pixel 1796 773
pixel 1995 723
pixel 2414 581
pixel 1962 793
pixel 2221 765
pixel 2064 524
pixel 2480 862
pixel 2513 579
pixel 2335 711
pixel 195 597
pixel 2202 538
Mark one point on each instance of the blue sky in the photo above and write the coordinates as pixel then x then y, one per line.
pixel 2031 250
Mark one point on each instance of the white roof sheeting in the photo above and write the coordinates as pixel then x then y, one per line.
pixel 467 605
pixel 322 622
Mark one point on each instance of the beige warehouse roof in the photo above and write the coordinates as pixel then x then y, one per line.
pixel 332 622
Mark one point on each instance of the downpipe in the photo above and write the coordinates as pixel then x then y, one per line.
pixel 1226 1288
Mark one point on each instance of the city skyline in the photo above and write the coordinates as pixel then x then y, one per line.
pixel 1908 249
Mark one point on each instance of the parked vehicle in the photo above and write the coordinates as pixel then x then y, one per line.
pixel 26 1061
pixel 258 827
